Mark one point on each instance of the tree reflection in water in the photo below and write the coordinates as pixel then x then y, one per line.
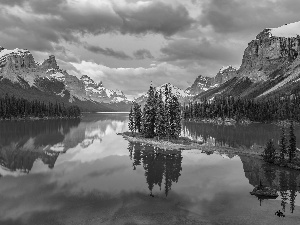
pixel 160 166
pixel 285 181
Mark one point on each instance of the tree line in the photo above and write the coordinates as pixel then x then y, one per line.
pixel 287 148
pixel 12 107
pixel 277 108
pixel 160 117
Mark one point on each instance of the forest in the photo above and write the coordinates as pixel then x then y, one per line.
pixel 20 108
pixel 161 115
pixel 275 109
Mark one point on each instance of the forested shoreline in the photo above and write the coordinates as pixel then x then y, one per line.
pixel 276 109
pixel 12 108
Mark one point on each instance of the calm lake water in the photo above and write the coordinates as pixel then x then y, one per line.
pixel 81 172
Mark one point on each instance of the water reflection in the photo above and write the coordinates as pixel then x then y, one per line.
pixel 234 136
pixel 22 143
pixel 97 177
pixel 160 166
pixel 285 181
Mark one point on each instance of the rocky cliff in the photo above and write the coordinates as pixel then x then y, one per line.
pixel 267 54
pixel 203 83
pixel 270 67
pixel 19 69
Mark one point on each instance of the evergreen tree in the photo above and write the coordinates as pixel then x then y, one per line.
pixel 283 145
pixel 137 116
pixel 175 117
pixel 292 143
pixel 131 124
pixel 167 115
pixel 269 153
pixel 160 123
pixel 149 113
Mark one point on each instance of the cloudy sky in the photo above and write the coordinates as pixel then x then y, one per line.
pixel 129 43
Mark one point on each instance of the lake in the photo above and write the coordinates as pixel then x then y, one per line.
pixel 82 172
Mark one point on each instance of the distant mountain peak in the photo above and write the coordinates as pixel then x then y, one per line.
pixel 97 92
pixel 50 63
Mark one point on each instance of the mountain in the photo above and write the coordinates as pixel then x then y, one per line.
pixel 21 76
pixel 182 95
pixel 270 67
pixel 203 83
pixel 97 92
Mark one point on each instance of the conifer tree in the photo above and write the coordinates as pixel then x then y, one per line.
pixel 149 113
pixel 269 153
pixel 131 124
pixel 167 93
pixel 137 116
pixel 283 145
pixel 160 123
pixel 292 143
pixel 175 117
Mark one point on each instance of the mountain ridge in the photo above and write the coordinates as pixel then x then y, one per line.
pixel 20 75
pixel 270 66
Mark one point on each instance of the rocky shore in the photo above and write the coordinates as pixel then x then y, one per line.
pixel 184 143
pixel 222 121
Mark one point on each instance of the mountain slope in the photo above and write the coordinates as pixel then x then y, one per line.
pixel 203 83
pixel 21 76
pixel 270 67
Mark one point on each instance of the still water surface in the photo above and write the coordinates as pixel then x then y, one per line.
pixel 81 172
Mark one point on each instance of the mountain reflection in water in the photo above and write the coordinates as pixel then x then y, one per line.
pixel 82 172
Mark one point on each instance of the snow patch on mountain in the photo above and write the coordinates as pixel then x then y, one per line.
pixel 287 30
pixel 5 52
pixel 228 68
pixel 97 92
pixel 175 90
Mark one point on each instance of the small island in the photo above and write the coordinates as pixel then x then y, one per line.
pixel 159 125
pixel 12 108
pixel 262 191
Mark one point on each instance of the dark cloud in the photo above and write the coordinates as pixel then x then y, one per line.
pixel 107 52
pixel 198 51
pixel 245 17
pixel 55 21
pixel 143 54
pixel 158 17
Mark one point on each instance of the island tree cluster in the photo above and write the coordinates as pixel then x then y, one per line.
pixel 12 107
pixel 287 148
pixel 160 117
pixel 277 108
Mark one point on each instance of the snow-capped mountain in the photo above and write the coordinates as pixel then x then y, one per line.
pixel 203 83
pixel 47 82
pixel 270 67
pixel 97 92
pixel 182 95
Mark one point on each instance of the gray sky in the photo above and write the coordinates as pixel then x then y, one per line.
pixel 129 43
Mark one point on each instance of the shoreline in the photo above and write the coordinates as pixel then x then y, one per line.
pixel 191 145
pixel 242 122
pixel 38 118
pixel 254 152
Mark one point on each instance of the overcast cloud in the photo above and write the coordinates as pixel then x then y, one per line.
pixel 163 41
